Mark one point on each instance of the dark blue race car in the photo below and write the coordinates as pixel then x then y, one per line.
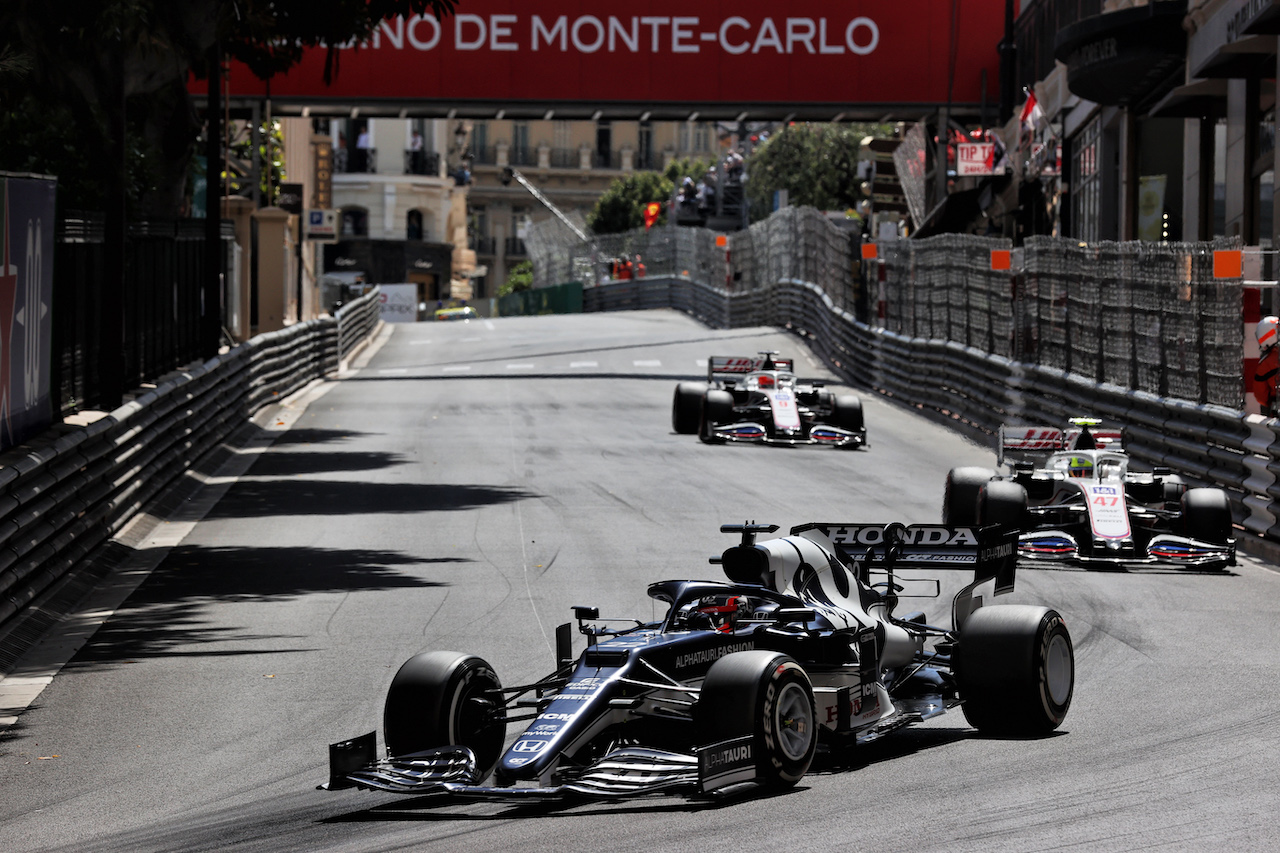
pixel 740 683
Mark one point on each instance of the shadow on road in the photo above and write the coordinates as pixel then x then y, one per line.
pixel 169 614
pixel 257 499
pixel 309 462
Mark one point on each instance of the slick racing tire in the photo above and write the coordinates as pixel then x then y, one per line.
pixel 1206 515
pixel 768 697
pixel 960 500
pixel 1002 502
pixel 847 414
pixel 445 699
pixel 1015 669
pixel 686 407
pixel 717 408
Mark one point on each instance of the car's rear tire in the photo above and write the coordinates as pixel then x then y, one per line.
pixel 1206 515
pixel 960 498
pixel 687 406
pixel 769 697
pixel 1015 669
pixel 1002 502
pixel 717 408
pixel 847 414
pixel 445 699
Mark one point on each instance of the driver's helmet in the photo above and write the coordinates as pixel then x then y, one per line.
pixel 717 612
pixel 1080 466
pixel 764 380
pixel 1268 331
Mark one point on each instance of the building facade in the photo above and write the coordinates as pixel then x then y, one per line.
pixel 440 182
pixel 1155 121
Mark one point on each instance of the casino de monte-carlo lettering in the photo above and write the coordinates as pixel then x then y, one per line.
pixel 637 34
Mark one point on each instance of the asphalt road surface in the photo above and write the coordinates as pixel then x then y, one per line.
pixel 468 485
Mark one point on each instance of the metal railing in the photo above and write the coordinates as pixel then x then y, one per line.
pixel 421 162
pixel 164 267
pixel 566 158
pixel 64 494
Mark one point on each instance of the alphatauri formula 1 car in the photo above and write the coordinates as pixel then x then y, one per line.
pixel 759 400
pixel 740 683
pixel 1075 500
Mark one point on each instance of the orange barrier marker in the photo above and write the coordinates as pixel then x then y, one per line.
pixel 1228 263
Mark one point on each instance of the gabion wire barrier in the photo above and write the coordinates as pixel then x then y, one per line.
pixel 1145 316
pixel 1142 316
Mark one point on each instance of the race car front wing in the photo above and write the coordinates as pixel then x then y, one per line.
pixel 1164 548
pixel 751 432
pixel 451 770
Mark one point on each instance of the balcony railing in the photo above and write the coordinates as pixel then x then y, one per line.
pixel 485 156
pixel 514 246
pixel 482 245
pixel 606 159
pixel 357 160
pixel 522 156
pixel 422 162
pixel 565 158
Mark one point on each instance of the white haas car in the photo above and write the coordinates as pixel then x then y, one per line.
pixel 759 400
pixel 1082 504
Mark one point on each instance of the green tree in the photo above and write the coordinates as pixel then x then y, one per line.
pixel 111 61
pixel 621 208
pixel 519 279
pixel 817 164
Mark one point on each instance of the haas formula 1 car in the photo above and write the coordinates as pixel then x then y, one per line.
pixel 1082 504
pixel 759 400
pixel 740 683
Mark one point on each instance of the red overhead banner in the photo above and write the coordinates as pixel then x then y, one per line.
pixel 664 51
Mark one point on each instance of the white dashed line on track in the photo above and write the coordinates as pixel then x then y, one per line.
pixel 519 367
pixel 393 371
pixel 418 343
pixel 456 368
pixel 647 363
pixel 584 364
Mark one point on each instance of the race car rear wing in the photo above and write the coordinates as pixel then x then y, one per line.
pixel 990 552
pixel 1084 434
pixel 722 368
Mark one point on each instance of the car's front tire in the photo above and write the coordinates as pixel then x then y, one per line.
pixel 769 697
pixel 1015 669
pixel 1206 515
pixel 445 699
pixel 1002 502
pixel 717 408
pixel 846 413
pixel 686 407
pixel 960 498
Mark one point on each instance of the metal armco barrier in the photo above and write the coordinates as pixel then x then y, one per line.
pixel 1206 444
pixel 64 494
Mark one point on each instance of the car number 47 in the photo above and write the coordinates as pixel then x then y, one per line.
pixel 1106 500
